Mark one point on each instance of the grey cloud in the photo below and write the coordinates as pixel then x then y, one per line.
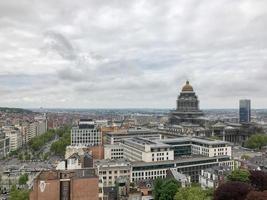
pixel 56 41
pixel 132 53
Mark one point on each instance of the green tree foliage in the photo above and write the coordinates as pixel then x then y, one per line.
pixel 16 194
pixel 157 188
pixel 27 156
pixel 193 193
pixel 165 189
pixel 256 141
pixel 23 179
pixel 14 110
pixel 245 157
pixel 20 157
pixel 240 175
pixel 38 142
pixel 169 189
pixel 59 147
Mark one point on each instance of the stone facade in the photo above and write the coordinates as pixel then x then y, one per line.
pixel 187 107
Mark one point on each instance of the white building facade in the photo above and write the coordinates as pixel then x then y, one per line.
pixel 86 134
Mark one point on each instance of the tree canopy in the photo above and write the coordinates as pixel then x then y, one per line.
pixel 23 179
pixel 165 189
pixel 16 194
pixel 59 147
pixel 240 175
pixel 256 141
pixel 255 195
pixel 192 193
pixel 232 190
pixel 258 180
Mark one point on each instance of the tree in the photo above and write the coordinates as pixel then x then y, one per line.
pixel 240 175
pixel 16 194
pixel 255 195
pixel 232 191
pixel 192 193
pixel 245 157
pixel 256 141
pixel 157 188
pixel 27 156
pixel 20 157
pixel 258 179
pixel 165 189
pixel 23 179
pixel 169 189
pixel 59 147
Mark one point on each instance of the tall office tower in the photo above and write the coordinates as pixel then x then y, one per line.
pixel 244 111
pixel 86 134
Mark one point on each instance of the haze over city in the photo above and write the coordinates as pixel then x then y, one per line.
pixel 132 54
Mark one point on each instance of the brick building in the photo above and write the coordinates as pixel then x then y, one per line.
pixel 82 184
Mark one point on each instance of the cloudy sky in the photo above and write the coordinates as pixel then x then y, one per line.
pixel 132 54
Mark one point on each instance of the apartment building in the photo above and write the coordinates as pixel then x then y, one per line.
pixel 213 177
pixel 4 145
pixel 14 135
pixel 109 170
pixel 86 134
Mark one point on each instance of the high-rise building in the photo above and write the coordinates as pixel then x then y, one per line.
pixel 4 145
pixel 86 134
pixel 14 135
pixel 187 108
pixel 244 111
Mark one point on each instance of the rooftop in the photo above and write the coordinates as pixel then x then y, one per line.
pixel 194 139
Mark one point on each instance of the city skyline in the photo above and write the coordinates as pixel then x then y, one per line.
pixel 132 54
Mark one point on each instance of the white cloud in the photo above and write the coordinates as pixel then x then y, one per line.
pixel 132 53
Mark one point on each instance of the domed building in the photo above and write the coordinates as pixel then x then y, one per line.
pixel 187 107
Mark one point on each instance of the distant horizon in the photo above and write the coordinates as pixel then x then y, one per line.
pixel 120 108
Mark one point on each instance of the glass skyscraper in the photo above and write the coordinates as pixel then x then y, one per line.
pixel 244 111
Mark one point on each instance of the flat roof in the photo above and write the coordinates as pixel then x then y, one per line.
pixel 143 141
pixel 178 160
pixel 194 139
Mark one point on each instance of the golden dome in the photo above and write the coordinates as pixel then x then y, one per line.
pixel 187 87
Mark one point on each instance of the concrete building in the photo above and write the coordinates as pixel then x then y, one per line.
pixel 244 111
pixel 140 149
pixel 189 165
pixel 4 145
pixel 116 137
pixel 109 170
pixel 113 151
pixel 80 184
pixel 186 155
pixel 86 134
pixel 152 159
pixel 14 135
pixel 183 146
